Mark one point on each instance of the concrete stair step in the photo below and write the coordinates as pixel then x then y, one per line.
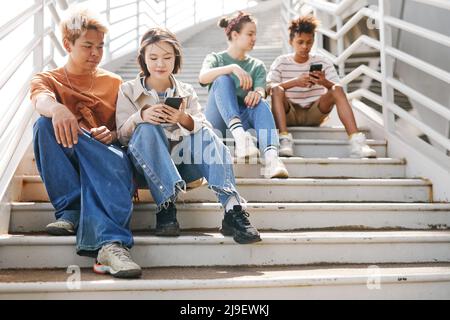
pixel 33 217
pixel 213 249
pixel 301 167
pixel 384 281
pixel 288 190
pixel 324 148
pixel 324 132
pixel 330 168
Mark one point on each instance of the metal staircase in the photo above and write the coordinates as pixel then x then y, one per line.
pixel 337 228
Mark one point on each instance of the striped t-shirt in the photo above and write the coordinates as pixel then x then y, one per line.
pixel 285 68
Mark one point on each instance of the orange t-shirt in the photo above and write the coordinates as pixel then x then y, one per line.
pixel 93 108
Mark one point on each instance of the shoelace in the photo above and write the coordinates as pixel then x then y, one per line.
pixel 120 252
pixel 243 217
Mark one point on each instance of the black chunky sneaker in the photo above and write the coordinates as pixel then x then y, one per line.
pixel 166 222
pixel 236 224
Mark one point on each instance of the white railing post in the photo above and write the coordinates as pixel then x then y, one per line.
pixel 195 12
pixel 138 22
pixel 387 66
pixel 108 35
pixel 63 4
pixel 340 48
pixel 165 13
pixel 285 17
pixel 38 52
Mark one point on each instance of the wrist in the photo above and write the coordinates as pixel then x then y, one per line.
pixel 113 136
pixel 329 85
pixel 55 108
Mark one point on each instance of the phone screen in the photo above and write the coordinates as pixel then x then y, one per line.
pixel 315 67
pixel 173 102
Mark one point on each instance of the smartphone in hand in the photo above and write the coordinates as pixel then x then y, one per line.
pixel 315 67
pixel 174 102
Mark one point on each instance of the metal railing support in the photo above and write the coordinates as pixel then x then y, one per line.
pixel 138 22
pixel 38 52
pixel 387 66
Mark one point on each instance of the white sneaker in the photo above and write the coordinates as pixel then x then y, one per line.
pixel 60 228
pixel 275 169
pixel 286 146
pixel 245 147
pixel 116 260
pixel 359 147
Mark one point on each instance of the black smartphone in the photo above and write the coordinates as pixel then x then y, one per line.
pixel 86 131
pixel 315 67
pixel 174 102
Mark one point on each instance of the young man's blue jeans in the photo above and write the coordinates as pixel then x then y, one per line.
pixel 223 106
pixel 90 185
pixel 166 172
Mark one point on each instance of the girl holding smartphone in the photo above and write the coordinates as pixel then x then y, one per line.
pixel 171 146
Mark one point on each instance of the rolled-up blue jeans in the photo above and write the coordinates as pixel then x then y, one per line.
pixel 223 106
pixel 166 171
pixel 90 185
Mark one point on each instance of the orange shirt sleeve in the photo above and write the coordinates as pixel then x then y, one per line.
pixel 41 84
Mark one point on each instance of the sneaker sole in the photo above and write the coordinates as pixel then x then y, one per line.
pixel 173 231
pixel 59 231
pixel 285 153
pixel 255 154
pixel 238 238
pixel 279 175
pixel 125 274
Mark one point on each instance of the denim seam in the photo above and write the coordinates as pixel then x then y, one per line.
pixel 180 185
pixel 229 113
pixel 99 246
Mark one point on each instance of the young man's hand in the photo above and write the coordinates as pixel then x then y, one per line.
pixel 104 135
pixel 318 77
pixel 304 81
pixel 65 125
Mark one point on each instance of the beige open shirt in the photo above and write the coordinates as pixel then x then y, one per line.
pixel 133 98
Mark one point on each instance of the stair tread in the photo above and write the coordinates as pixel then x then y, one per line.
pixel 279 206
pixel 328 141
pixel 306 181
pixel 203 277
pixel 216 238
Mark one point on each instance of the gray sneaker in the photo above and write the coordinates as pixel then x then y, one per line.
pixel 116 260
pixel 60 228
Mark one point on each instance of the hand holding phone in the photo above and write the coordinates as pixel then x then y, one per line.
pixel 174 102
pixel 315 67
